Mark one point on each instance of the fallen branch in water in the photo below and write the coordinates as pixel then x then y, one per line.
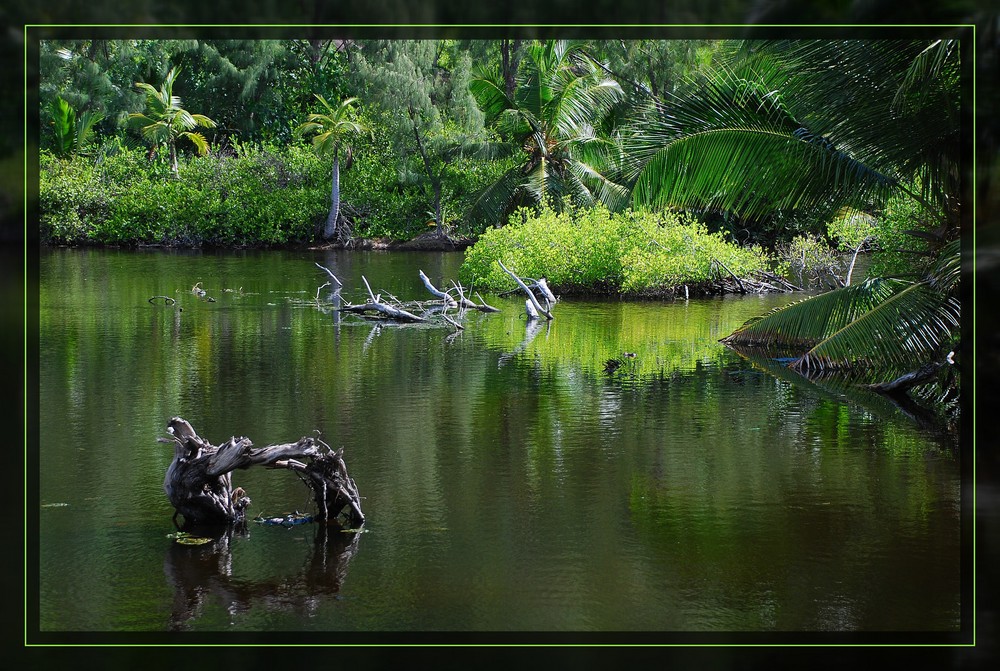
pixel 377 306
pixel 531 296
pixel 415 311
pixel 199 484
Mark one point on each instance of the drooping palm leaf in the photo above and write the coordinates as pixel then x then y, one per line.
pixel 198 140
pixel 808 322
pixel 904 330
pixel 496 201
pixel 738 146
pixel 786 118
pixel 883 322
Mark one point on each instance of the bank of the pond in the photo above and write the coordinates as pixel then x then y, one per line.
pixel 276 198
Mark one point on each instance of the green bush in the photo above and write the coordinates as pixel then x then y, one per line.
pixel 898 252
pixel 250 196
pixel 593 250
pixel 123 196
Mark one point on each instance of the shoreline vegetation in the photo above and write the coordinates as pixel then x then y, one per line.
pixel 629 168
pixel 259 197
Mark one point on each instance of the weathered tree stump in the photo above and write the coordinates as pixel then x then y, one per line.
pixel 199 479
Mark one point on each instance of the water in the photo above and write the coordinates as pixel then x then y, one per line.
pixel 510 484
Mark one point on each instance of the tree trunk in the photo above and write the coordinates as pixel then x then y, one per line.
pixel 508 54
pixel 199 484
pixel 173 161
pixel 330 228
pixel 435 179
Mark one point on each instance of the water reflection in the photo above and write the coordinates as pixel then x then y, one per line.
pixel 531 329
pixel 942 416
pixel 511 482
pixel 204 574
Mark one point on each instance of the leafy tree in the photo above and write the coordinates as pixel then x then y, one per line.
pixel 165 121
pixel 559 101
pixel 97 76
pixel 335 131
pixel 245 85
pixel 422 88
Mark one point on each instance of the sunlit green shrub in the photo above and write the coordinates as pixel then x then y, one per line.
pixel 123 196
pixel 592 249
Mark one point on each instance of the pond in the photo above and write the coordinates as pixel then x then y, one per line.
pixel 510 483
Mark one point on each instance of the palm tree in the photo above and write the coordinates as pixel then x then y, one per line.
pixel 883 322
pixel 335 131
pixel 798 125
pixel 72 133
pixel 559 101
pixel 166 122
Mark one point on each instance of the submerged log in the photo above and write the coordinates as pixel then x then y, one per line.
pixel 199 484
pixel 904 382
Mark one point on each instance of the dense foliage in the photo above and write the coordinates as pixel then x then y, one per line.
pixel 633 252
pixel 255 198
pixel 752 139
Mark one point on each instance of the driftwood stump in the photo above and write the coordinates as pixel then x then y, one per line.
pixel 199 479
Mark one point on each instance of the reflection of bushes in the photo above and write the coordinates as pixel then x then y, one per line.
pixel 587 249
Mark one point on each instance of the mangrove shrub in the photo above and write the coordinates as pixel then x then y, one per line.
pixel 592 249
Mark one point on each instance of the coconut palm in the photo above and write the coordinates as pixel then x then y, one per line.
pixel 164 121
pixel 798 125
pixel 560 99
pixel 335 131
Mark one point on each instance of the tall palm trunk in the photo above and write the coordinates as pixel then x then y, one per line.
pixel 330 228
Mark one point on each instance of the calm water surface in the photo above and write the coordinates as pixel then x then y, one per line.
pixel 510 484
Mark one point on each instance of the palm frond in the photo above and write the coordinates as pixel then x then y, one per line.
pixel 583 101
pixel 490 94
pixel 753 170
pixel 774 98
pixel 198 140
pixel 203 121
pixel 496 201
pixel 808 322
pixel 614 196
pixel 945 273
pixel 906 329
pixel 156 132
